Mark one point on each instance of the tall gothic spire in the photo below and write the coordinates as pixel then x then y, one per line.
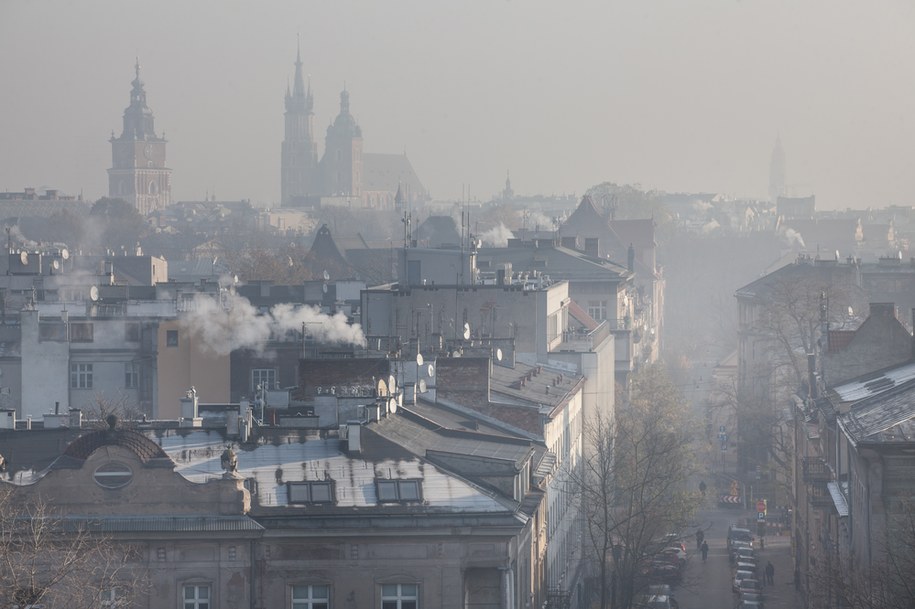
pixel 300 99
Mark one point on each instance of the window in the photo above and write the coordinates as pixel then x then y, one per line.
pixel 398 490
pixel 399 596
pixel 131 375
pixel 310 492
pixel 171 338
pixel 113 475
pixel 55 331
pixel 80 376
pixel 132 332
pixel 81 332
pixel 310 597
pixel 197 596
pixel 597 309
pixel 265 377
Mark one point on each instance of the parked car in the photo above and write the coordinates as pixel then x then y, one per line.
pixel 752 597
pixel 736 533
pixel 743 555
pixel 739 576
pixel 746 565
pixel 676 552
pixel 749 585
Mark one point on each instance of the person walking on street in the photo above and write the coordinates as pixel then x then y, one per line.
pixel 702 487
pixel 700 537
pixel 704 550
pixel 770 573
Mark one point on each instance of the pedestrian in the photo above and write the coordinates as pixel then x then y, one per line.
pixel 704 549
pixel 700 537
pixel 702 487
pixel 770 573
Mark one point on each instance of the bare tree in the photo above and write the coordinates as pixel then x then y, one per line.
pixel 52 561
pixel 634 484
pixel 888 584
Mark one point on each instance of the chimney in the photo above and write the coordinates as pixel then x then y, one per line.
pixel 353 436
pixel 189 411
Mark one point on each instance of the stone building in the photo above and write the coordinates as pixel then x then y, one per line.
pixel 138 171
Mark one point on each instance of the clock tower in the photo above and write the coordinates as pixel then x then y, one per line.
pixel 138 173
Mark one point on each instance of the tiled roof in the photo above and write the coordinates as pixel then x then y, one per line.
pixel 143 447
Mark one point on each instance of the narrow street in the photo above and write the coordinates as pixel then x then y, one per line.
pixel 708 585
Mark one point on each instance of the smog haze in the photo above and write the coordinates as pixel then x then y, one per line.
pixel 677 96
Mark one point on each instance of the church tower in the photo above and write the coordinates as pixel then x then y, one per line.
pixel 138 173
pixel 342 163
pixel 299 154
pixel 777 171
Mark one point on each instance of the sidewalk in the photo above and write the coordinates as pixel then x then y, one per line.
pixel 781 595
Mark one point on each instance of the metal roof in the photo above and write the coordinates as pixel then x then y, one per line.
pixel 875 384
pixel 197 455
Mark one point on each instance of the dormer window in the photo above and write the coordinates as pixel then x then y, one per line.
pixel 398 491
pixel 311 492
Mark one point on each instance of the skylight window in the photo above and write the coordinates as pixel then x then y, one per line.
pixel 311 491
pixel 395 491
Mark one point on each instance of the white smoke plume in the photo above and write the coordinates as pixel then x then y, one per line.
pixel 792 236
pixel 231 322
pixel 537 221
pixel 497 236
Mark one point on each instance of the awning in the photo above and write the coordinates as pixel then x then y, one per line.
pixel 838 498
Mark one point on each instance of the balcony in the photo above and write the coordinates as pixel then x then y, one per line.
pixel 816 470
pixel 818 495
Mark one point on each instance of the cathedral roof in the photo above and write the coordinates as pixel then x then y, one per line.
pixel 390 172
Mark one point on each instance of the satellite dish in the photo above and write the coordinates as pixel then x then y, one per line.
pixel 93 294
pixel 326 276
pixel 324 288
pixel 419 359
pixel 498 355
pixel 455 354
pixel 392 384
pixel 421 386
pixel 382 387
pixel 24 257
pixel 431 370
pixel 466 331
pixel 392 405
pixel 65 254
pixel 55 264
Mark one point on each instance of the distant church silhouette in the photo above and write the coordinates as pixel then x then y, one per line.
pixel 344 174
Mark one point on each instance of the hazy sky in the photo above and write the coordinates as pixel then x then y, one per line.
pixel 679 95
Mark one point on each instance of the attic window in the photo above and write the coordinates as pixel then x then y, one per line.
pixel 113 475
pixel 311 492
pixel 394 491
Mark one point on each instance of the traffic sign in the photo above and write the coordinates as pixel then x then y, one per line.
pixel 760 516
